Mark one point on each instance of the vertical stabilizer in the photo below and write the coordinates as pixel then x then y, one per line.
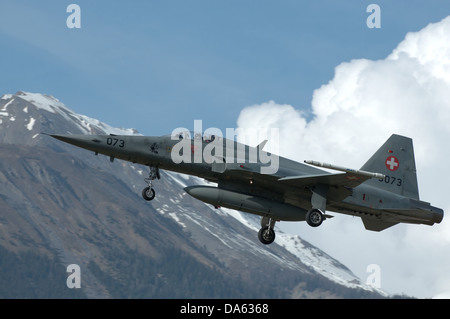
pixel 395 159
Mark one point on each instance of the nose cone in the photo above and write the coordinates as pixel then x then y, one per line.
pixel 90 142
pixel 74 139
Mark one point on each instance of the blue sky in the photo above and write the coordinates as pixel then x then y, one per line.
pixel 158 65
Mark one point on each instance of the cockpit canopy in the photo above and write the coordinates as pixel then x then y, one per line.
pixel 193 135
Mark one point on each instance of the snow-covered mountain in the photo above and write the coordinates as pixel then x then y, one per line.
pixel 40 102
pixel 66 203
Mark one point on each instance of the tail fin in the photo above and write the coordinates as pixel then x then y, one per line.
pixel 395 159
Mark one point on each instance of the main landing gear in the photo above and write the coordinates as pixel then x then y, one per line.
pixel 148 193
pixel 314 217
pixel 266 234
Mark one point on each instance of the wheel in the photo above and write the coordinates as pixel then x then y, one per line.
pixel 148 193
pixel 266 235
pixel 314 217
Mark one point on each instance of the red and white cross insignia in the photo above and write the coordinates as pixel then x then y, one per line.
pixel 392 163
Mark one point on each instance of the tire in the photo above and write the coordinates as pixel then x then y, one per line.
pixel 314 218
pixel 266 235
pixel 148 193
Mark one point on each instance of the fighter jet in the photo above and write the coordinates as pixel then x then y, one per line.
pixel 383 192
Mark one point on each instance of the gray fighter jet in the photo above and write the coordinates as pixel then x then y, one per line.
pixel 384 192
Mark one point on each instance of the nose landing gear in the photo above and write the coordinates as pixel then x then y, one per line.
pixel 266 234
pixel 148 193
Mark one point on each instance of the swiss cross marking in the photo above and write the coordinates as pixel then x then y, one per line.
pixel 392 163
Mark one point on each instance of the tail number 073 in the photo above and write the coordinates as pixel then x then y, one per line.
pixel 115 142
pixel 392 180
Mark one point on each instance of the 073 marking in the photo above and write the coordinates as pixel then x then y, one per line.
pixel 115 142
pixel 392 180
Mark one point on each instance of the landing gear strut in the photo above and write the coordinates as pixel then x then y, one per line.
pixel 266 234
pixel 148 193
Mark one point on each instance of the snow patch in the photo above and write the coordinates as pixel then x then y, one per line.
pixel 30 124
pixel 174 176
pixel 45 102
pixel 175 217
pixel 6 105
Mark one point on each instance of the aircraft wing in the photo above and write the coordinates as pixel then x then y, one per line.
pixel 342 182
pixel 347 180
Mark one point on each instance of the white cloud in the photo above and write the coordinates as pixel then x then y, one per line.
pixel 406 93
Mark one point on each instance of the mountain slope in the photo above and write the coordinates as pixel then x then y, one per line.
pixel 62 205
